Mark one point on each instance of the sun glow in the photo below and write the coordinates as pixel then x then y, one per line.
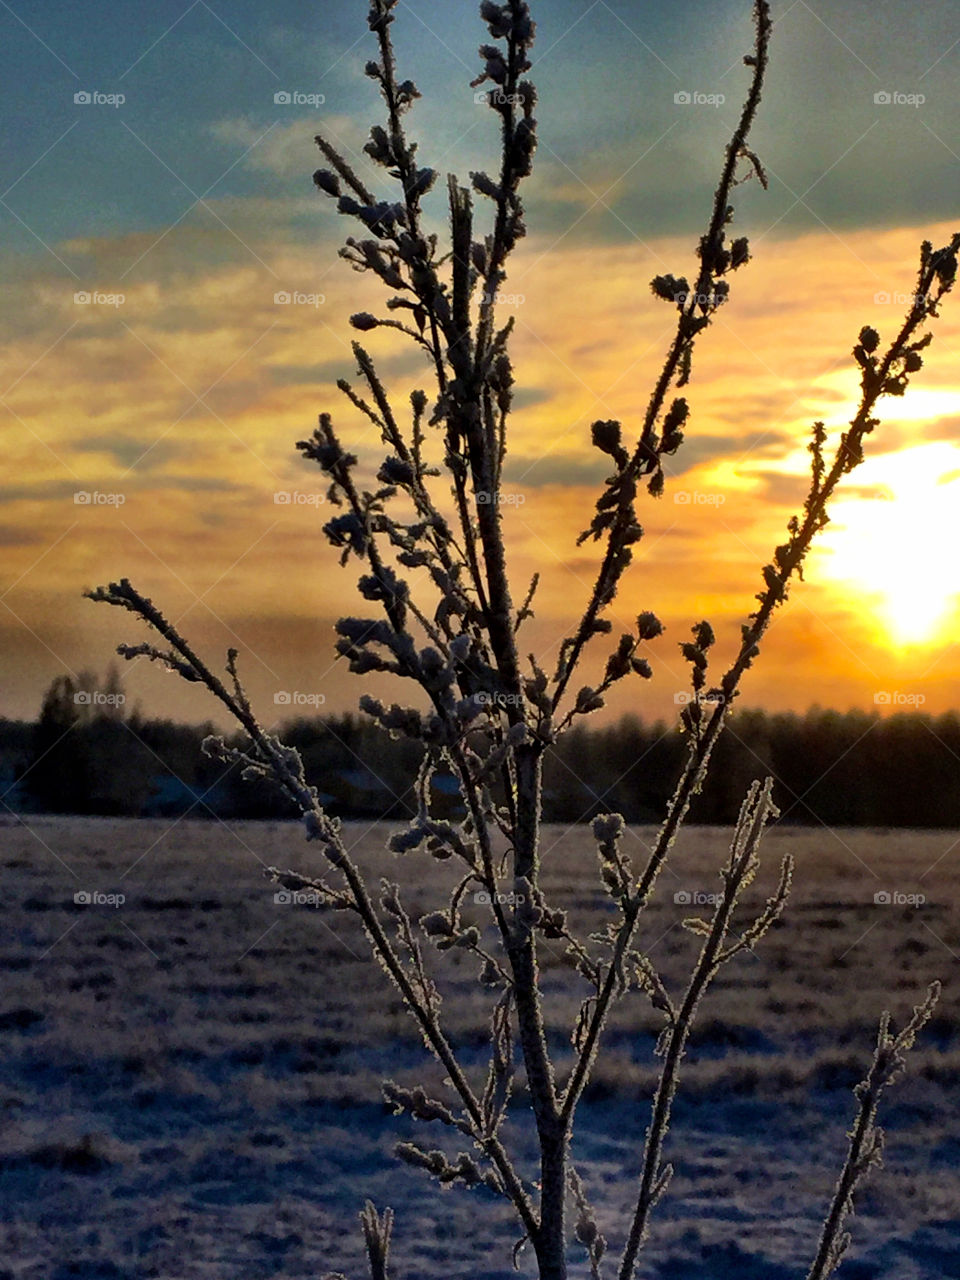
pixel 894 544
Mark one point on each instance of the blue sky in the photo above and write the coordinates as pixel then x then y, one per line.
pixel 195 73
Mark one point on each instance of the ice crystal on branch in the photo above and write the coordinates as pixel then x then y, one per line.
pixel 425 531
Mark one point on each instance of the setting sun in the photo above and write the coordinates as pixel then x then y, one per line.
pixel 888 545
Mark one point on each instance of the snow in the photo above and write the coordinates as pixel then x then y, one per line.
pixel 190 1080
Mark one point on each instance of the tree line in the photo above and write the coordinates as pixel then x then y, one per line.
pixel 89 754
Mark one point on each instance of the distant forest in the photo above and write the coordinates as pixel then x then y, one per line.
pixel 88 755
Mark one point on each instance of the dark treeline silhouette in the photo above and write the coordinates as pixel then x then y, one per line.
pixel 89 754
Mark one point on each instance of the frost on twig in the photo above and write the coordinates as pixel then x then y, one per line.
pixel 866 1138
pixel 423 527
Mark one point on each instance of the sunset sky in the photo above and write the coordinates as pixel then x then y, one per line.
pixel 176 394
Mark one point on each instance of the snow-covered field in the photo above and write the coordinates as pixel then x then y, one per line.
pixel 189 1079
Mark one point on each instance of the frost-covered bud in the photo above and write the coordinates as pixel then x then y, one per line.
pixel 694 654
pixel 497 18
pixel 677 414
pixel 395 471
pixel 390 901
pixel 670 288
pixel 404 841
pixel 467 709
pixel 608 827
pixel 618 664
pixel 483 183
pixel 528 910
pixel 421 183
pixel 739 252
pixel 606 438
pixel 494 67
pixel 379 147
pixel 460 647
pixel 436 925
pixel 432 662
pixel 327 182
pixel 642 668
pixel 703 635
pixel 869 338
pixel 649 626
pixel 364 321
pixel 588 700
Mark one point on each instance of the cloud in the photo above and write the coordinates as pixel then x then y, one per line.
pixel 189 398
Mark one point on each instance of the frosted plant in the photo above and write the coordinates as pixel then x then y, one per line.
pixel 488 715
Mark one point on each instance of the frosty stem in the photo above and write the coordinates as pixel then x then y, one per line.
pixel 489 718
